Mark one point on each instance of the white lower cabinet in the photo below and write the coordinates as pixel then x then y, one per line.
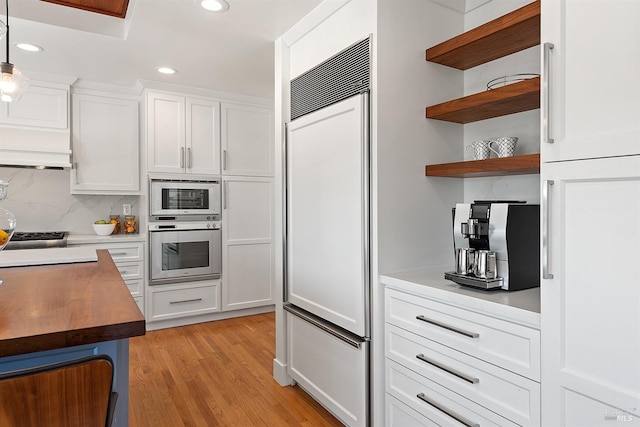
pixel 129 259
pixel 590 292
pixel 400 415
pixel 449 365
pixel 183 300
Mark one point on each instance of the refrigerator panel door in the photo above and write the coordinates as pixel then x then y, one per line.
pixel 332 371
pixel 327 214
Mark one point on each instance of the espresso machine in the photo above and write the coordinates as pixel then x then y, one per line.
pixel 496 245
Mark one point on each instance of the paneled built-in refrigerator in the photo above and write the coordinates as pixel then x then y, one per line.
pixel 327 265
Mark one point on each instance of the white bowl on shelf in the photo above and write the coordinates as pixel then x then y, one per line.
pixel 103 229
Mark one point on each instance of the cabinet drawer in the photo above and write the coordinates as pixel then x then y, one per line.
pixel 130 270
pixel 445 407
pixel 505 344
pixel 400 415
pixel 126 252
pixel 140 302
pixel 508 394
pixel 184 301
pixel 121 252
pixel 135 286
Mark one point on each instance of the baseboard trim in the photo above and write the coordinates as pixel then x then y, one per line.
pixel 280 373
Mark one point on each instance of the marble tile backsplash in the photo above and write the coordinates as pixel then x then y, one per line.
pixel 40 201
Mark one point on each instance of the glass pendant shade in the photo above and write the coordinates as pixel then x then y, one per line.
pixel 12 83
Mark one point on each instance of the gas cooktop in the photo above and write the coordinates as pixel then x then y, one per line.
pixel 37 240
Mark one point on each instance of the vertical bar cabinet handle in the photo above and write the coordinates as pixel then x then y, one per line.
pixel 182 157
pixel 189 158
pixel 226 191
pixel 546 229
pixel 546 117
pixel 224 160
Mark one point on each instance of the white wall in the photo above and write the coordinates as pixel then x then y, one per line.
pixel 414 212
pixel 525 125
pixel 40 201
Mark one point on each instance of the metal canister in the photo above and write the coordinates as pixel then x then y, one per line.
pixel 485 265
pixel 465 260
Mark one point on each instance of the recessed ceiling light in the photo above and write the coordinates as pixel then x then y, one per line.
pixel 29 47
pixel 166 70
pixel 215 5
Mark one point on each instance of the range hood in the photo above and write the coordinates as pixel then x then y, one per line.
pixel 35 131
pixel 35 148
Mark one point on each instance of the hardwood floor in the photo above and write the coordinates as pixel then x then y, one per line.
pixel 215 374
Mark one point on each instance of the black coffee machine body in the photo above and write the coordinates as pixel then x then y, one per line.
pixel 500 243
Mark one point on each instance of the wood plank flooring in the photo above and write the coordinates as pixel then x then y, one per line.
pixel 215 374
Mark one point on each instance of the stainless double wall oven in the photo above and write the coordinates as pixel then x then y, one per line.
pixel 185 236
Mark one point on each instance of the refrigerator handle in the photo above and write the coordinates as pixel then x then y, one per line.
pixel 366 209
pixel 322 325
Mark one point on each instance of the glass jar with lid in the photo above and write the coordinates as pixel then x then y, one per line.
pixel 115 219
pixel 130 225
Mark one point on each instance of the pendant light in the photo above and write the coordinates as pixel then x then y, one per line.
pixel 12 82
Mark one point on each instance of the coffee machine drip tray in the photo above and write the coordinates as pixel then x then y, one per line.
pixel 476 282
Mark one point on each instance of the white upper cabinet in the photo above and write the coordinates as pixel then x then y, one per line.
pixel 183 134
pixel 44 105
pixel 247 140
pixel 105 141
pixel 592 99
pixel 203 136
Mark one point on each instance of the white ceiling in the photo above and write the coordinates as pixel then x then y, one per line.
pixel 229 52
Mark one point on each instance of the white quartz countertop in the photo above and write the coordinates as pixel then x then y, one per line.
pixel 46 256
pixel 83 239
pixel 522 307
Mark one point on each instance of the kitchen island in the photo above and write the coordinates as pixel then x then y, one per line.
pixel 50 313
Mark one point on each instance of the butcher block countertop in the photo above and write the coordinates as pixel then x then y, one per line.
pixel 49 307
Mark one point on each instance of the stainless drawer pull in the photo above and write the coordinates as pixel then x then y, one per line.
pixel 452 371
pixel 449 327
pixel 186 300
pixel 447 411
pixel 118 253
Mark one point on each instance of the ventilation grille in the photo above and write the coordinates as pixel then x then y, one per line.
pixel 339 77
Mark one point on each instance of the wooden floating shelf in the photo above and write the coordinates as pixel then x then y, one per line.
pixel 509 99
pixel 516 165
pixel 503 36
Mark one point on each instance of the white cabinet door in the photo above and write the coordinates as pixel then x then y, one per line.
pixel 594 78
pixel 165 133
pixel 247 253
pixel 105 145
pixel 247 140
pixel 44 105
pixel 203 136
pixel 591 305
